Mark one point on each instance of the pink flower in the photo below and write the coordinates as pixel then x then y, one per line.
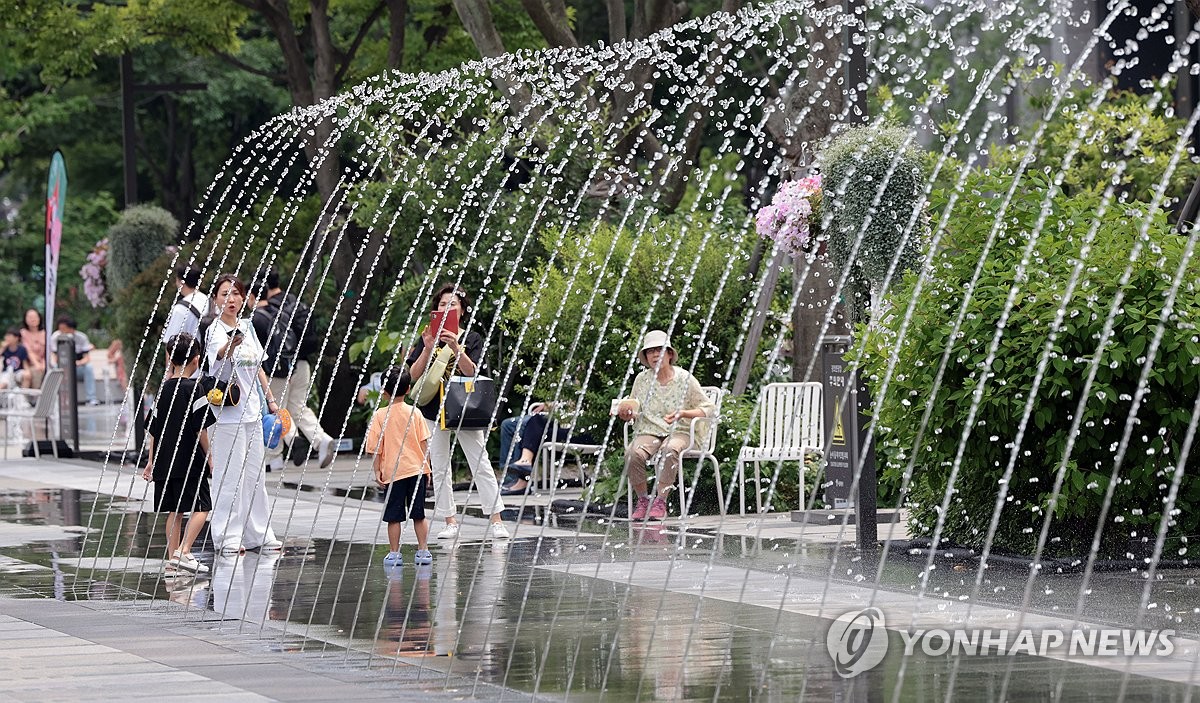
pixel 787 219
pixel 93 275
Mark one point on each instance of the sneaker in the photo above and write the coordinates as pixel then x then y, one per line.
pixel 271 545
pixel 423 557
pixel 394 559
pixel 658 509
pixel 639 510
pixel 325 453
pixel 232 549
pixel 187 562
pixel 449 531
pixel 497 530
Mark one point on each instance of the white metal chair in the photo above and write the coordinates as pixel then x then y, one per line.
pixel 552 454
pixel 45 401
pixel 701 448
pixel 791 425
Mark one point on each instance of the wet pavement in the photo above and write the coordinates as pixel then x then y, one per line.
pixel 574 608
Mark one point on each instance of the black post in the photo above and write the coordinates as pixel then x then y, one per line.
pixel 128 130
pixel 856 67
pixel 866 507
pixel 68 412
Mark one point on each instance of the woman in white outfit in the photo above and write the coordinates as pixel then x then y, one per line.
pixel 241 511
pixel 467 349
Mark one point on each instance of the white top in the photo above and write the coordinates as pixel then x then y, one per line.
pixel 82 343
pixel 246 363
pixel 180 319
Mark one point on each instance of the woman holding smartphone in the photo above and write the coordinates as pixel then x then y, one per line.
pixel 467 350
pixel 241 513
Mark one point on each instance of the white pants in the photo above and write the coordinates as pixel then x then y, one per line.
pixel 292 394
pixel 474 445
pixel 241 514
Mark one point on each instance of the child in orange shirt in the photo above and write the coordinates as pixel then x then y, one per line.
pixel 399 439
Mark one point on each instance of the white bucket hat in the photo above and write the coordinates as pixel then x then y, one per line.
pixel 653 340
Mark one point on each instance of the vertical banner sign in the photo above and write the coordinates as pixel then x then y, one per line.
pixel 56 196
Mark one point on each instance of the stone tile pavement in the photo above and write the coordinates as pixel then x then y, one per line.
pixel 53 650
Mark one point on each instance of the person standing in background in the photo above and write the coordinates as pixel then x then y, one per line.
pixel 283 328
pixel 189 308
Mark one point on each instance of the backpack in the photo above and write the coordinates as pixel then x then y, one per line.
pixel 281 344
pixel 305 330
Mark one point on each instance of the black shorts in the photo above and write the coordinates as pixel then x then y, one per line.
pixel 405 499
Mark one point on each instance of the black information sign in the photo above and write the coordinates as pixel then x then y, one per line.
pixel 845 401
pixel 841 423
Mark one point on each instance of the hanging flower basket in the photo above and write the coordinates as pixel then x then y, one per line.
pixel 92 273
pixel 791 217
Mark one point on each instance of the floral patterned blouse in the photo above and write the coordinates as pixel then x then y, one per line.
pixel 682 392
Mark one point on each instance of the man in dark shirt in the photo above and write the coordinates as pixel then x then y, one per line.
pixel 283 327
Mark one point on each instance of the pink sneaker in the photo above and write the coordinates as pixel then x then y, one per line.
pixel 639 510
pixel 658 509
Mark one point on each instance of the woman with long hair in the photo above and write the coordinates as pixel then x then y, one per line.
pixel 241 513
pixel 33 338
pixel 466 347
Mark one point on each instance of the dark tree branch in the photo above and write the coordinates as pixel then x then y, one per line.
pixel 397 21
pixel 239 64
pixel 616 21
pixel 348 56
pixel 554 29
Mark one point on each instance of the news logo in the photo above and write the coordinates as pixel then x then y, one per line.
pixel 857 641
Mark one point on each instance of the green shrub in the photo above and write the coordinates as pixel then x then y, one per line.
pixel 612 327
pixel 139 237
pixel 135 321
pixel 855 166
pixel 1102 136
pixel 1163 417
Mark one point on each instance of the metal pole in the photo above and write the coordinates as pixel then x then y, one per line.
pixel 856 67
pixel 128 130
pixel 865 506
pixel 68 416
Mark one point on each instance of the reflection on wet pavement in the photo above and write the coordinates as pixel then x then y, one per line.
pixel 582 617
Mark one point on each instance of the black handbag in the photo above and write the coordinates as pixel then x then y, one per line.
pixel 468 403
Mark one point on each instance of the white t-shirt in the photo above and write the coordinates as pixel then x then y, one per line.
pixel 83 345
pixel 181 319
pixel 245 365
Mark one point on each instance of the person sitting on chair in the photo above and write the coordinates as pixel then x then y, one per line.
pixel 529 431
pixel 663 398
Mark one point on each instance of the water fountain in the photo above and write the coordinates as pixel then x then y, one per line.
pixel 552 205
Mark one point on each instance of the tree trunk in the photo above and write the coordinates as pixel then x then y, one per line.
pixel 397 20
pixel 802 137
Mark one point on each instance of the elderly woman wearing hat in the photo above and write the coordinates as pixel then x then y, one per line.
pixel 663 399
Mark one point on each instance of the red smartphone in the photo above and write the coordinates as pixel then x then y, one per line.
pixel 443 319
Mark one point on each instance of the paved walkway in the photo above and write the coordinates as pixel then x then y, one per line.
pixel 323 623
pixel 70 651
